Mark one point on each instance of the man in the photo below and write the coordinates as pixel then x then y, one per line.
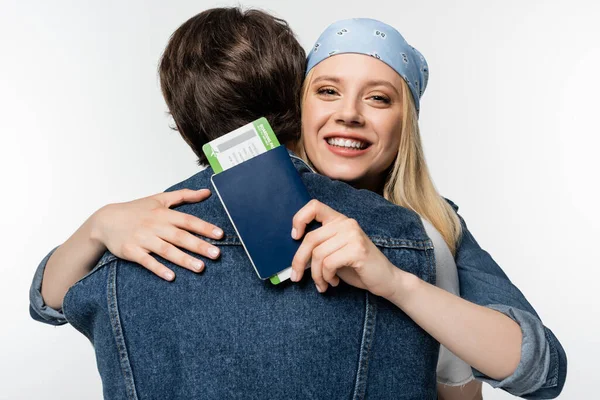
pixel 227 334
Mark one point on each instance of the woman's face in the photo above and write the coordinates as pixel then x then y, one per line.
pixel 352 119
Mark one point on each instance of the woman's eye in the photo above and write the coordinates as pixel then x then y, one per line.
pixel 327 91
pixel 381 99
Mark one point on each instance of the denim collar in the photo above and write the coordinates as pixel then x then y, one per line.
pixel 299 163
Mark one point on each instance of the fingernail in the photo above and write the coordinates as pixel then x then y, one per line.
pixel 197 265
pixel 294 233
pixel 217 232
pixel 213 251
pixel 169 275
pixel 294 277
pixel 318 288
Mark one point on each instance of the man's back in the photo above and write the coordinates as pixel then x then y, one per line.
pixel 227 334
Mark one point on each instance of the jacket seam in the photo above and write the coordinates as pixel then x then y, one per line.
pixel 381 241
pixel 401 243
pixel 117 329
pixel 360 385
pixel 105 260
pixel 226 241
pixel 432 279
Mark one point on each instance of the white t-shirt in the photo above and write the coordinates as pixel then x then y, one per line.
pixel 451 370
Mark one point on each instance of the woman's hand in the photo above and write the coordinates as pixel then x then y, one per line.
pixel 339 249
pixel 134 229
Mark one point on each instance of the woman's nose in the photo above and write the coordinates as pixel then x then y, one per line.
pixel 349 113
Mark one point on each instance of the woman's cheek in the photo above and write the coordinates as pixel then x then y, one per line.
pixel 308 124
pixel 310 142
pixel 311 125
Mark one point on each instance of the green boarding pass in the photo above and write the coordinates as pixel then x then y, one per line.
pixel 240 145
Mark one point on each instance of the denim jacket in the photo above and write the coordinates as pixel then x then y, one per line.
pixel 227 334
pixel 542 370
pixel 392 356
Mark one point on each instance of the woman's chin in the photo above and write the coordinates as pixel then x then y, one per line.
pixel 339 168
pixel 342 175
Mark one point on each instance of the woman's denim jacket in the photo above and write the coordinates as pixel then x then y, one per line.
pixel 227 334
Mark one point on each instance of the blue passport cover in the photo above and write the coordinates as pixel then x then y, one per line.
pixel 261 197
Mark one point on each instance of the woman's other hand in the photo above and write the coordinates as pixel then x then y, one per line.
pixel 136 228
pixel 339 249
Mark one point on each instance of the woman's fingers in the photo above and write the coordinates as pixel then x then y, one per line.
pixel 313 210
pixel 349 275
pixel 133 229
pixel 194 224
pixel 139 256
pixel 304 252
pixel 169 252
pixel 186 240
pixel 322 270
pixel 335 261
pixel 170 199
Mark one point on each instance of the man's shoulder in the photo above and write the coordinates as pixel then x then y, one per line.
pixel 199 180
pixel 378 217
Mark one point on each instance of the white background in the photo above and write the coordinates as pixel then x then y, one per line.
pixel 509 123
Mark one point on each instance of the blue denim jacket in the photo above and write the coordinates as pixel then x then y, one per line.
pixel 86 317
pixel 483 282
pixel 227 334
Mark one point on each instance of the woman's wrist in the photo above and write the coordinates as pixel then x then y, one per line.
pixel 71 261
pixel 95 229
pixel 405 285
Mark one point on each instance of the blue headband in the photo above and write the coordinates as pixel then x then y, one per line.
pixel 376 39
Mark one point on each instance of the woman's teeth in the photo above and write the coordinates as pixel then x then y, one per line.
pixel 352 144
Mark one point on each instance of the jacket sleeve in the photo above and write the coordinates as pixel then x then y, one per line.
pixel 38 310
pixel 542 370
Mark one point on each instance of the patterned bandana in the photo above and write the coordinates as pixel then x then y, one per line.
pixel 375 39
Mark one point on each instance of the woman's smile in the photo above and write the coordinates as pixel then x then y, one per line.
pixel 347 144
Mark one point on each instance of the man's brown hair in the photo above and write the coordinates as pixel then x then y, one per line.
pixel 226 67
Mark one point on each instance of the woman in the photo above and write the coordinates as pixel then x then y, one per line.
pixel 390 110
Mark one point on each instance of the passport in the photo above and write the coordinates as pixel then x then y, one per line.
pixel 261 196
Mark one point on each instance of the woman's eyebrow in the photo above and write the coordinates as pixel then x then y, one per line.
pixel 327 78
pixel 383 83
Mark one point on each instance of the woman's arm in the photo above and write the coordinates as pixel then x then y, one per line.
pixel 542 371
pixel 484 338
pixel 131 231
pixel 70 262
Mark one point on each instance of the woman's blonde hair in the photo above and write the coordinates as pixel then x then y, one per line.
pixel 409 184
